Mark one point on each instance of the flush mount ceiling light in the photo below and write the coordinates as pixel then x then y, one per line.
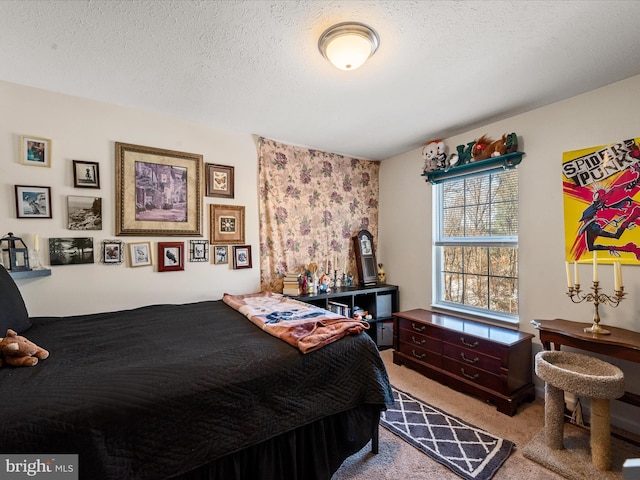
pixel 348 45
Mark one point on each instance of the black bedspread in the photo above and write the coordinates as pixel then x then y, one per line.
pixel 154 392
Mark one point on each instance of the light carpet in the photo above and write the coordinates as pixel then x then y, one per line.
pixel 472 453
pixel 574 462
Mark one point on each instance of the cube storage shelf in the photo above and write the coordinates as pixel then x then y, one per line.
pixel 381 301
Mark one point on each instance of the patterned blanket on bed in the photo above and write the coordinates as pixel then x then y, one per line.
pixel 304 326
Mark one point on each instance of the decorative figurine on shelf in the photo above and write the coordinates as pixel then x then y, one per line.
pixel 325 283
pixel 511 143
pixel 382 275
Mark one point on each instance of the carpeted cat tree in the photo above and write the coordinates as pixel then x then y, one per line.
pixel 584 376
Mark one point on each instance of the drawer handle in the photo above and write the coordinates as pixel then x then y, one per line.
pixel 468 360
pixel 421 329
pixel 470 377
pixel 417 342
pixel 470 345
pixel 413 352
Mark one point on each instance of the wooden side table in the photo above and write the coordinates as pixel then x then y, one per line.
pixel 620 343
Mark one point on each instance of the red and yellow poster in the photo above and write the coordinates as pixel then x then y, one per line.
pixel 601 187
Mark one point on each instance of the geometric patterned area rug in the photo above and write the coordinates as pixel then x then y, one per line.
pixel 466 450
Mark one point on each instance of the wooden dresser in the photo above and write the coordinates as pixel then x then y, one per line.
pixel 490 362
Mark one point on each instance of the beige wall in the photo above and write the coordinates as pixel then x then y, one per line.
pixel 599 117
pixel 87 130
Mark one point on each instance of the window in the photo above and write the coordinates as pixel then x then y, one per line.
pixel 476 245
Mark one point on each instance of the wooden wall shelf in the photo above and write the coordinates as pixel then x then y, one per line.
pixel 503 162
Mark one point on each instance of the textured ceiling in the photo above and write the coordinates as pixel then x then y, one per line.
pixel 443 67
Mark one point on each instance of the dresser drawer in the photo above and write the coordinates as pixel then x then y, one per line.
pixel 417 353
pixel 474 374
pixel 470 342
pixel 472 357
pixel 418 327
pixel 415 339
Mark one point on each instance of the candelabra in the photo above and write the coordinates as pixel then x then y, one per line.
pixel 597 298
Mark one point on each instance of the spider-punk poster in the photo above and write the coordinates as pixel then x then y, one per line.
pixel 601 187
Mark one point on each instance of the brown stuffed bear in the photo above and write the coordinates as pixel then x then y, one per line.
pixel 20 352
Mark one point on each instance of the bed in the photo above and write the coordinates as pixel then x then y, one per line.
pixel 190 391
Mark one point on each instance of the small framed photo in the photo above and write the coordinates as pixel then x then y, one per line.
pixel 35 151
pixel 33 202
pixel 112 252
pixel 70 251
pixel 220 254
pixel 140 254
pixel 227 224
pixel 170 256
pixel 219 180
pixel 199 251
pixel 85 213
pixel 86 174
pixel 241 256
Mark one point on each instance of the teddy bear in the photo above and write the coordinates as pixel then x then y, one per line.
pixel 20 352
pixel 435 156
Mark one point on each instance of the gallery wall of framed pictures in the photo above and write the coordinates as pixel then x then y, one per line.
pixel 158 193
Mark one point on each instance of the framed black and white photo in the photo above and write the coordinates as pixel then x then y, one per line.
pixel 140 254
pixel 85 213
pixel 220 254
pixel 199 250
pixel 241 256
pixel 86 174
pixel 35 151
pixel 170 256
pixel 33 202
pixel 70 251
pixel 112 252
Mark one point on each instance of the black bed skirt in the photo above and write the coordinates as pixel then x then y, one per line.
pixel 311 452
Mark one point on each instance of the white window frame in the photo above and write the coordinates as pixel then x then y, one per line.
pixel 438 264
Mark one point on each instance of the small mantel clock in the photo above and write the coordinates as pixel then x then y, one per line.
pixel 365 258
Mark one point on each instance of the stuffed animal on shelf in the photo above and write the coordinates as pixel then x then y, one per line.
pixel 20 352
pixel 435 156
pixel 498 147
pixel 429 152
pixel 480 150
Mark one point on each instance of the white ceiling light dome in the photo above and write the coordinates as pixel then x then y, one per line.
pixel 348 45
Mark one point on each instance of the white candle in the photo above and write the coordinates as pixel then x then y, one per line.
pixel 344 268
pixel 616 278
pixel 569 284
pixel 595 265
pixel 576 277
pixel 36 245
pixel 620 275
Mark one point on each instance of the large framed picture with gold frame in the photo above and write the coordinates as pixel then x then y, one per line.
pixel 158 192
pixel 227 224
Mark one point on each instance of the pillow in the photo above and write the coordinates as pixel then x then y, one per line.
pixel 13 312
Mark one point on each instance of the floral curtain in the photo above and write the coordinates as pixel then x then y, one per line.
pixel 311 204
